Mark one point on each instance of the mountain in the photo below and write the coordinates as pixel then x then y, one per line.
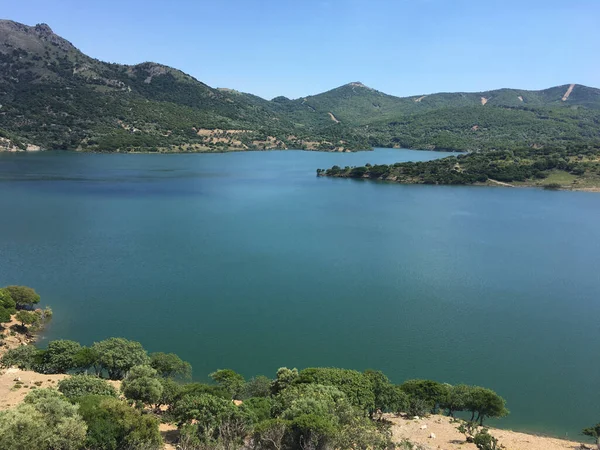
pixel 54 96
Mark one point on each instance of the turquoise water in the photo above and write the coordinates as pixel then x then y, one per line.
pixel 251 262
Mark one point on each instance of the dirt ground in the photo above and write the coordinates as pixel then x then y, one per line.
pixel 447 437
pixel 15 384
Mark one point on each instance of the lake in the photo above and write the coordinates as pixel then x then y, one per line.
pixel 249 261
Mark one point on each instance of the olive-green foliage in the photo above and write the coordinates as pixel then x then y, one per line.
pixel 259 408
pixel 27 318
pixel 114 425
pixel 59 357
pixel 5 315
pixel 201 388
pixel 118 355
pixel 87 358
pixel 205 419
pixel 430 392
pixel 142 385
pixel 485 441
pixel 593 432
pixel 231 381
pixel 486 403
pixel 458 399
pixel 259 386
pixel 46 420
pixel 388 397
pixel 355 385
pixel 82 385
pixel 284 378
pixel 25 357
pixel 6 301
pixel 7 306
pixel 170 365
pixel 270 434
pixel 171 391
pixel 314 398
pixel 23 296
pixel 362 433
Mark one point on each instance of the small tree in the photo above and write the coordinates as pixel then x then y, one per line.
pixel 232 381
pixel 81 385
pixel 268 435
pixel 285 377
pixel 593 432
pixel 170 365
pixel 458 399
pixel 45 420
pixel 485 441
pixel 7 306
pixel 86 359
pixel 431 392
pixel 25 357
pixel 259 386
pixel 112 424
pixel 24 297
pixel 118 355
pixel 486 403
pixel 27 318
pixel 5 315
pixel 60 355
pixel 142 386
pixel 468 429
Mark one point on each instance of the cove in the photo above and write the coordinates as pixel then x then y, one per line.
pixel 249 261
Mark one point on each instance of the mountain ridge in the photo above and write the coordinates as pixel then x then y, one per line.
pixel 55 96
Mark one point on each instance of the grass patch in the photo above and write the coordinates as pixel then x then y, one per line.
pixel 558 177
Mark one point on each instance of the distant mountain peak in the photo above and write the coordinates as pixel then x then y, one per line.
pixel 43 28
pixel 19 36
pixel 358 84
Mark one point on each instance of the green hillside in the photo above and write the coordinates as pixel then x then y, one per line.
pixel 55 97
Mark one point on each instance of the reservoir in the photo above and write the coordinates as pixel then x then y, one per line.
pixel 249 261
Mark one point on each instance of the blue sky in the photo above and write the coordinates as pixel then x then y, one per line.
pixel 297 48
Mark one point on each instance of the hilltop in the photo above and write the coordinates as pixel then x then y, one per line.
pixel 53 96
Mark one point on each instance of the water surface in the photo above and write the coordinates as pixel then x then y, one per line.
pixel 249 261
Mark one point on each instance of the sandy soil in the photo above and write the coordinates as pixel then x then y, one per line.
pixel 170 434
pixel 500 183
pixel 448 438
pixel 11 395
pixel 12 339
pixel 333 118
pixel 484 100
pixel 568 93
pixel 418 100
pixel 520 98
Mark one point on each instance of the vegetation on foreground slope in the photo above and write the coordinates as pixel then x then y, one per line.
pixel 577 167
pixel 55 97
pixel 116 394
pixel 314 408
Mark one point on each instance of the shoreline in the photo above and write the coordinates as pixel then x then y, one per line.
pixel 491 184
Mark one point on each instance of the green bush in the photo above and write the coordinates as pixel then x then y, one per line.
pixel 82 385
pixel 114 425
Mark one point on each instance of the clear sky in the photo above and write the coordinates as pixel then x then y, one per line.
pixel 301 47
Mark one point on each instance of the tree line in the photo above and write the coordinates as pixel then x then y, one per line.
pixel 522 165
pixel 316 408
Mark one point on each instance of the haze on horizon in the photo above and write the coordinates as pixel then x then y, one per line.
pixel 271 48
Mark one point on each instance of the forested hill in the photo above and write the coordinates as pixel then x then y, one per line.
pixel 55 97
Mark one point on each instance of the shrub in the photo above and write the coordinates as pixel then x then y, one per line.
pixel 81 385
pixel 114 425
pixel 25 357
